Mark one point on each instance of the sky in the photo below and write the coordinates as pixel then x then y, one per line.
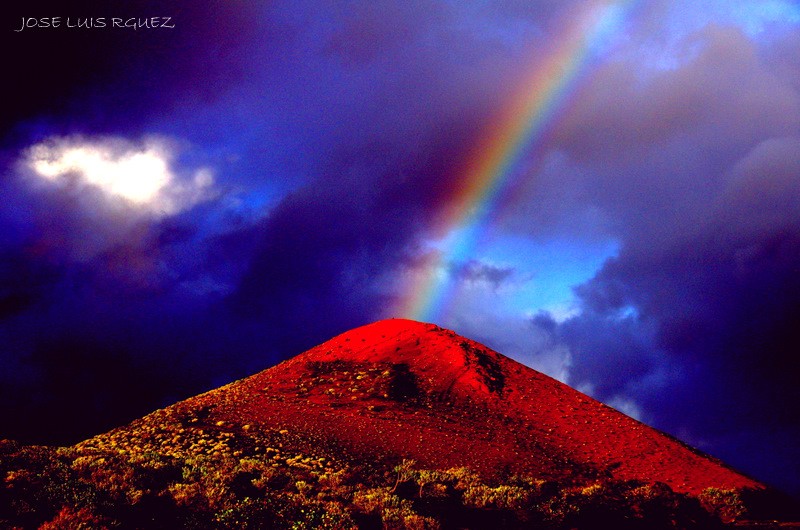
pixel 608 192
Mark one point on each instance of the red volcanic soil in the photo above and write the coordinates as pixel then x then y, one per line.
pixel 401 389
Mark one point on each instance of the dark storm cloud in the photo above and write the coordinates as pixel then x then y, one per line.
pixel 205 302
pixel 323 254
pixel 644 146
pixel 104 80
pixel 726 292
pixel 688 159
pixel 380 166
pixel 714 329
pixel 722 97
pixel 99 319
pixel 369 32
pixel 697 173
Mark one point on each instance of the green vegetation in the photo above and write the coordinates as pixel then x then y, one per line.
pixel 725 504
pixel 88 487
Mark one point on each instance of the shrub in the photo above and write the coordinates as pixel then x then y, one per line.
pixel 502 497
pixel 70 518
pixel 418 522
pixel 405 472
pixel 724 503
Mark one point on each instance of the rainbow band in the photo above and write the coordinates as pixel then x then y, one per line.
pixel 517 131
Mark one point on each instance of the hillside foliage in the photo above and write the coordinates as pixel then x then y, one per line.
pixel 75 488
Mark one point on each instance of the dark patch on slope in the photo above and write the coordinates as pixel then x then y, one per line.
pixel 404 387
pixel 488 368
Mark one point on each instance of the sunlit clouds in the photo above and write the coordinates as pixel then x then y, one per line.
pixel 141 174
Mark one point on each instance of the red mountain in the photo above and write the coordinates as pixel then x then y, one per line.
pixel 402 389
pixel 394 425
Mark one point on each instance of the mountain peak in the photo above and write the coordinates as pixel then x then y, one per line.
pixel 441 362
pixel 399 389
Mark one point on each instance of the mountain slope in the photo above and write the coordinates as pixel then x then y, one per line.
pixel 399 389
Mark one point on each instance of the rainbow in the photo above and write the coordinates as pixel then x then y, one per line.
pixel 494 164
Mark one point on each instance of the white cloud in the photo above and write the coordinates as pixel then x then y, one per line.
pixel 626 406
pixel 560 312
pixel 140 174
